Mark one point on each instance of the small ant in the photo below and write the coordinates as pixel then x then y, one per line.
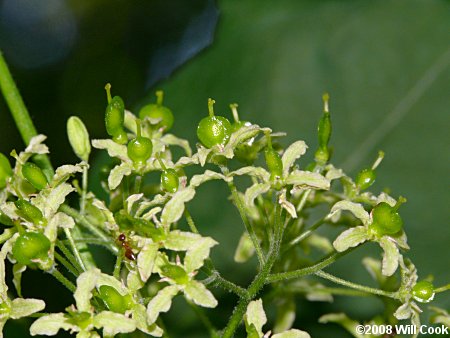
pixel 126 246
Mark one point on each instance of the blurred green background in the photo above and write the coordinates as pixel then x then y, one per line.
pixel 386 65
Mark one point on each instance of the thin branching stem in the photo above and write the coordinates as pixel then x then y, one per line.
pixel 330 259
pixel 63 280
pixel 118 265
pixel 75 249
pixel 84 190
pixel 81 220
pixel 260 279
pixel 66 264
pixel 217 280
pixel 248 225
pixel 69 255
pixel 355 286
pixel 20 113
pixel 442 288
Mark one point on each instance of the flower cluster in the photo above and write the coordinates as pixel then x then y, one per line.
pixel 156 259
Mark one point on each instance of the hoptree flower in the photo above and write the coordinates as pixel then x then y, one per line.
pixel 390 243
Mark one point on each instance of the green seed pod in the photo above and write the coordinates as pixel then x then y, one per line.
pixel 322 155
pixel 5 170
pixel 213 130
pixel 175 272
pixel 121 137
pixel 238 124
pixel 30 246
pixel 78 137
pixel 140 149
pixel 158 111
pixel 29 212
pixel 273 159
pixel 423 291
pixel 170 180
pixel 114 300
pixel 34 175
pixel 385 219
pixel 324 128
pixel 115 116
pixel 273 162
pixel 365 179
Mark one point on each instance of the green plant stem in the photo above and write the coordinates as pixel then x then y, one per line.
pixel 190 221
pixel 83 249
pixel 303 199
pixel 217 280
pixel 75 251
pixel 328 290
pixel 355 286
pixel 205 320
pixel 66 264
pixel 248 226
pixel 80 219
pixel 137 184
pixel 307 270
pixel 118 265
pixel 258 282
pixel 125 192
pixel 442 288
pixel 69 255
pixel 305 234
pixel 63 280
pixel 20 113
pixel 90 240
pixel 84 190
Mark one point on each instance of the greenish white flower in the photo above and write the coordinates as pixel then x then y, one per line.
pixel 83 320
pixel 255 318
pixel 357 235
pixel 18 307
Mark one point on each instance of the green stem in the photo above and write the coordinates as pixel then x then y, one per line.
pixel 83 249
pixel 218 280
pixel 190 221
pixel 63 280
pixel 66 264
pixel 302 202
pixel 20 113
pixel 308 270
pixel 355 286
pixel 304 235
pixel 259 281
pixel 118 265
pixel 328 290
pixel 80 219
pixel 248 226
pixel 137 184
pixel 75 249
pixel 442 288
pixel 84 190
pixel 69 255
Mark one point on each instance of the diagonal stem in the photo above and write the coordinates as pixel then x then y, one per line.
pixel 20 113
